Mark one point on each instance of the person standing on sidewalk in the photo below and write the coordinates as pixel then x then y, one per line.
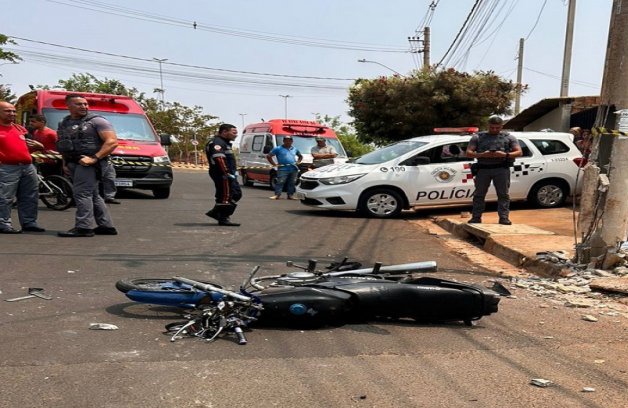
pixel 223 172
pixel 18 177
pixel 288 160
pixel 495 152
pixel 85 141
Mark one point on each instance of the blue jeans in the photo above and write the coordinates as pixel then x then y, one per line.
pixel 18 181
pixel 287 178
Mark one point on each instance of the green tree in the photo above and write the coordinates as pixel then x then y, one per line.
pixel 89 83
pixel 394 108
pixel 6 94
pixel 8 55
pixel 346 134
pixel 184 122
pixel 5 91
pixel 170 118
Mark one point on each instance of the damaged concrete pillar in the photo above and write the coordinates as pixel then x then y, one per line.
pixel 588 198
pixel 614 219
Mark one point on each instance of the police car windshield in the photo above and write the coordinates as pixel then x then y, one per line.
pixel 390 152
pixel 128 126
pixel 304 144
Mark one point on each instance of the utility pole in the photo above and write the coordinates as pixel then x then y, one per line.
pixel 603 219
pixel 285 105
pixel 426 48
pixel 519 75
pixel 242 115
pixel 614 94
pixel 564 83
pixel 415 47
pixel 161 79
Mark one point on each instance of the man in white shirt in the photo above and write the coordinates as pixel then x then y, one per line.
pixel 322 153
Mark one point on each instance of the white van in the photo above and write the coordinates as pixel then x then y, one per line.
pixel 259 139
pixel 433 170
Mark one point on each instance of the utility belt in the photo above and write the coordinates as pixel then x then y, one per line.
pixel 475 167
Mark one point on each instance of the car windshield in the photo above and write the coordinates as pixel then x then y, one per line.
pixel 390 152
pixel 128 126
pixel 305 143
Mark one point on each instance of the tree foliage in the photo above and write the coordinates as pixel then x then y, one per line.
pixel 170 118
pixel 5 91
pixel 346 134
pixel 6 94
pixel 8 55
pixel 394 108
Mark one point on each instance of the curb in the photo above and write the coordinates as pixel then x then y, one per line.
pixel 504 246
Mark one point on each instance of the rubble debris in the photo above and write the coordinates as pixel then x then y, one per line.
pixel 102 326
pixel 500 289
pixel 540 382
pixel 588 389
pixel 589 318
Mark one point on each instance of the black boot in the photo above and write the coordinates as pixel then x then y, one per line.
pixel 226 222
pixel 213 213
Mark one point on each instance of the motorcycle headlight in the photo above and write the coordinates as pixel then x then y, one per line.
pixel 161 159
pixel 332 181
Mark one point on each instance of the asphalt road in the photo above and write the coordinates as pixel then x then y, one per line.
pixel 48 357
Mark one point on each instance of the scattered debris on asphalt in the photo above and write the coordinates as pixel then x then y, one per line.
pixel 32 292
pixel 102 326
pixel 540 382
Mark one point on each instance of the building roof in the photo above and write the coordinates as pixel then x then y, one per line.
pixel 545 106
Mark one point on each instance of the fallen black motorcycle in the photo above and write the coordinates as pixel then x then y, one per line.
pixel 310 298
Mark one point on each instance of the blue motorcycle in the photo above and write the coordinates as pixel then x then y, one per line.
pixel 309 298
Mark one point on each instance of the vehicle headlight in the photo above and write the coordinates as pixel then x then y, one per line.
pixel 161 159
pixel 332 181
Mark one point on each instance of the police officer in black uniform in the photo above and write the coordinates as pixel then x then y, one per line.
pixel 223 172
pixel 495 152
pixel 85 142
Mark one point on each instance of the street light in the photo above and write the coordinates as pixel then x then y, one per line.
pixel 161 79
pixel 285 105
pixel 379 63
pixel 242 115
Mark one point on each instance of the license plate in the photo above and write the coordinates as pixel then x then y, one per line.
pixel 123 183
pixel 299 196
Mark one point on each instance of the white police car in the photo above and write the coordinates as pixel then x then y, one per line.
pixel 434 170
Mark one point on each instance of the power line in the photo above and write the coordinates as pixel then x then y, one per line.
pixel 176 64
pixel 537 19
pixel 460 31
pixel 255 35
pixel 185 76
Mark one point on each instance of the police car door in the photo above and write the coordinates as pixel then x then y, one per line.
pixel 446 179
pixel 528 168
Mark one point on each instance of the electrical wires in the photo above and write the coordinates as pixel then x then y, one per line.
pixel 126 12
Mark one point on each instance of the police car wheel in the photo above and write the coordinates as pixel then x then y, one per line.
pixel 549 194
pixel 381 203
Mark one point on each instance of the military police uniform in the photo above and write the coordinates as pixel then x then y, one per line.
pixel 492 169
pixel 223 172
pixel 77 138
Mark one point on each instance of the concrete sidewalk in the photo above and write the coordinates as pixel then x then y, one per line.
pixel 533 231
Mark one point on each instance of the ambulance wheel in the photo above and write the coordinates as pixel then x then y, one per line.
pixel 246 181
pixel 549 193
pixel 380 203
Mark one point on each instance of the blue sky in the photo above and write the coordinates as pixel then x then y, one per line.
pixel 330 37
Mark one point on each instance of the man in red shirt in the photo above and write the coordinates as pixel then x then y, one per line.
pixel 18 177
pixel 48 138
